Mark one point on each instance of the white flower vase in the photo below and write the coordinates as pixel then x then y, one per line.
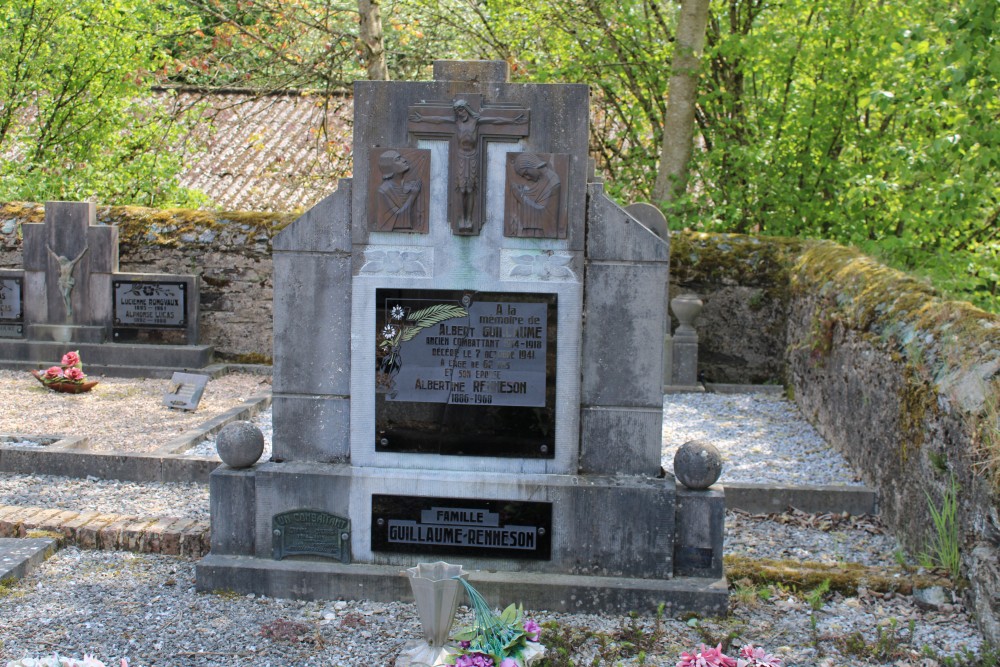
pixel 436 591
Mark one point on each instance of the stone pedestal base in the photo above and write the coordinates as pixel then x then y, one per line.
pixel 612 537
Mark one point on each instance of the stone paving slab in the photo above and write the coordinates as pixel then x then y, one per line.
pixel 19 556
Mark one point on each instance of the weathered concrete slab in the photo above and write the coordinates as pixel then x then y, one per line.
pixel 769 498
pixel 315 580
pixel 21 555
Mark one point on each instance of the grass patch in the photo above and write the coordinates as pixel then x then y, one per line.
pixel 944 546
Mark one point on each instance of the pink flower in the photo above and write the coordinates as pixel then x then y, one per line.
pixel 532 630
pixel 755 656
pixel 509 662
pixel 54 373
pixel 75 375
pixel 71 359
pixel 706 657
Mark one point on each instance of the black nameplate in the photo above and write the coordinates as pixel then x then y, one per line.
pixel 465 373
pixel 462 526
pixel 311 533
pixel 142 304
pixel 11 307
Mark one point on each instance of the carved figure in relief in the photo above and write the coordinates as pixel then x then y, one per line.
pixel 399 198
pixel 467 122
pixel 66 280
pixel 536 202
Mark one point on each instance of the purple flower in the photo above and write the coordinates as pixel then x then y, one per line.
pixel 509 662
pixel 532 630
pixel 474 660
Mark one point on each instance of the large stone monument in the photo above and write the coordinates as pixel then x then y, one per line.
pixel 71 296
pixel 468 365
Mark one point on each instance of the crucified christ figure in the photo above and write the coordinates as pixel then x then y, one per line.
pixel 467 121
pixel 66 280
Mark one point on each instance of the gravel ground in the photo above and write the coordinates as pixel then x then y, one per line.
pixel 762 438
pixel 111 412
pixel 144 608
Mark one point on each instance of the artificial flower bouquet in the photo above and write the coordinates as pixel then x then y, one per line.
pixel 68 377
pixel 507 639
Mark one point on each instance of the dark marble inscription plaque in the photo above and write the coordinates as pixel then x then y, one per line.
pixel 462 526
pixel 466 373
pixel 185 391
pixel 11 307
pixel 311 533
pixel 150 304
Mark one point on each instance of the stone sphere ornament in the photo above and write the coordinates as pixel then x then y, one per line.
pixel 240 444
pixel 697 464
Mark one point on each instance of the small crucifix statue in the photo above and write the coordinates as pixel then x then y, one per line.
pixel 468 127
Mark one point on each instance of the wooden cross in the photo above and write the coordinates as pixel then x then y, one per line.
pixel 468 126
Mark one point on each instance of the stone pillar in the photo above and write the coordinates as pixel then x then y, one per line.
pixel 686 307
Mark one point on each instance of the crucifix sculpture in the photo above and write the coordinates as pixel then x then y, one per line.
pixel 468 126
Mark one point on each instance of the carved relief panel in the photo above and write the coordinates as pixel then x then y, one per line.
pixel 399 190
pixel 535 201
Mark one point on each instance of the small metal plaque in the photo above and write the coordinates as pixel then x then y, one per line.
pixel 144 304
pixel 11 300
pixel 464 526
pixel 185 390
pixel 11 331
pixel 311 533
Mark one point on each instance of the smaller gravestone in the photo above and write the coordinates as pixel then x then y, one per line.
pixel 71 295
pixel 185 391
pixel 11 305
pixel 240 444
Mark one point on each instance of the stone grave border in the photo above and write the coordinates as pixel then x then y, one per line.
pixel 70 457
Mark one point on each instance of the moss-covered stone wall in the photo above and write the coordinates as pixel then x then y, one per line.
pixel 906 384
pixel 902 381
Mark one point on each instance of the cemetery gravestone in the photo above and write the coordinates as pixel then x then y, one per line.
pixel 71 295
pixel 472 375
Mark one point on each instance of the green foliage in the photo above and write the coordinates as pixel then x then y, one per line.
pixel 74 121
pixel 868 123
pixel 889 643
pixel 944 547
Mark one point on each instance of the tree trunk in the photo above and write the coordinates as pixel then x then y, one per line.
pixel 678 121
pixel 370 38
